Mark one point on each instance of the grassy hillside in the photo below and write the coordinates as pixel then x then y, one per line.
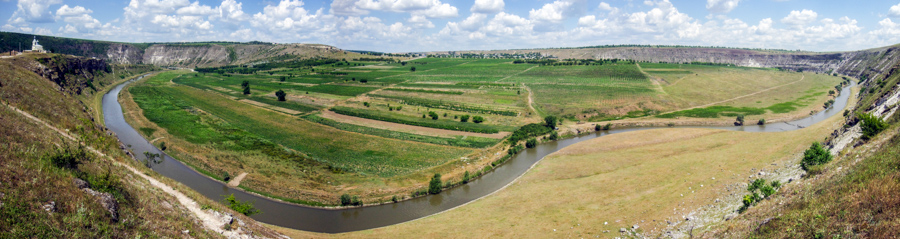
pixel 40 196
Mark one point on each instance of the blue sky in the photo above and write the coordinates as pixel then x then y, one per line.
pixel 432 25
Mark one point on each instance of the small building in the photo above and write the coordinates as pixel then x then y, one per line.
pixel 36 47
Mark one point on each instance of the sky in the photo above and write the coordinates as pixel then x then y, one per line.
pixel 438 25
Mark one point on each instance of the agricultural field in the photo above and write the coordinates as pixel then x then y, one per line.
pixel 378 128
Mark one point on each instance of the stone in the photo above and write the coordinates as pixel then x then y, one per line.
pixel 635 227
pixel 81 184
pixel 622 230
pixel 50 207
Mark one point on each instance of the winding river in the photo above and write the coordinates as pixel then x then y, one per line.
pixel 354 219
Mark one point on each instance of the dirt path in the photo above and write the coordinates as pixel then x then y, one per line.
pixel 405 128
pixel 526 70
pixel 154 140
pixel 530 99
pixel 207 219
pixel 654 81
pixel 237 180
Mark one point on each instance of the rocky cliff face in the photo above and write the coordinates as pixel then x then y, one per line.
pixel 124 54
pixel 166 55
pixel 72 74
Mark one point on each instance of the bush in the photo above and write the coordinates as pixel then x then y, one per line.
pixel 413 69
pixel 526 131
pixel 395 199
pixel 761 122
pixel 531 143
pixel 756 184
pixel 464 118
pixel 607 126
pixel 433 115
pixel 466 177
pixel 871 125
pixel 815 155
pixel 434 187
pixel 346 200
pixel 551 121
pixel 740 119
pixel 597 127
pixel 68 157
pixel 554 135
pixel 247 90
pixel 281 95
pixel 477 119
pixel 245 208
pixel 226 177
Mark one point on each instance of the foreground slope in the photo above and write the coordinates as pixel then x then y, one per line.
pixel 63 175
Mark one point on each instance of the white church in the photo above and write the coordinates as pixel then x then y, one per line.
pixel 36 47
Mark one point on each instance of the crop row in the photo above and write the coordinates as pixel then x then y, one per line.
pixel 438 124
pixel 468 142
pixel 438 104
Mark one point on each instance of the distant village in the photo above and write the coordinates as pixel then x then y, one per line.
pixel 35 48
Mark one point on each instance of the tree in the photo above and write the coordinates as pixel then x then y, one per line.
pixel 245 84
pixel 281 95
pixel 434 187
pixel 531 143
pixel 346 200
pixel 464 118
pixel 554 135
pixel 761 122
pixel 247 90
pixel 597 127
pixel 433 115
pixel 477 119
pixel 551 121
pixel 871 125
pixel 815 155
pixel 245 208
pixel 607 126
pixel 739 120
pixel 413 69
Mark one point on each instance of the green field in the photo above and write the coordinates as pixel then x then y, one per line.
pixel 209 109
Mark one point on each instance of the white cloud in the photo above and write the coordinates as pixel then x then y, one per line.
pixel 551 12
pixel 721 6
pixel 605 6
pixel 487 6
pixel 33 11
pixel 346 8
pixel 195 9
pixel 894 11
pixel 800 18
pixel 419 21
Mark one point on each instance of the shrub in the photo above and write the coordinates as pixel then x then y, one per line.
pixel 434 187
pixel 551 121
pixel 162 146
pixel 68 157
pixel 247 90
pixel 346 200
pixel 413 69
pixel 531 143
pixel 740 119
pixel 464 118
pixel 597 127
pixel 477 119
pixel 282 78
pixel 607 126
pixel 554 135
pixel 245 208
pixel 756 184
pixel 815 155
pixel 871 125
pixel 761 122
pixel 355 201
pixel 466 177
pixel 433 115
pixel 281 95
pixel 767 190
pixel 395 199
pixel 226 177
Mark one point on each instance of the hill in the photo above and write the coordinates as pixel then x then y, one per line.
pixel 64 175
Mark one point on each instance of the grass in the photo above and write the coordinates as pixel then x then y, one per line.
pixel 459 141
pixel 438 124
pixel 616 181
